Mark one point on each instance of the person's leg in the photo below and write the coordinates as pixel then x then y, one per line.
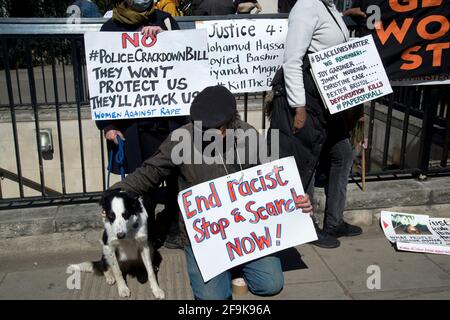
pixel 264 276
pixel 341 160
pixel 218 288
pixel 172 240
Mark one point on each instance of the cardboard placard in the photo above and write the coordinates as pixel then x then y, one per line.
pixel 131 76
pixel 349 74
pixel 245 54
pixel 244 216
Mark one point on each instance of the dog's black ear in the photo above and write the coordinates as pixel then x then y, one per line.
pixel 105 196
pixel 134 201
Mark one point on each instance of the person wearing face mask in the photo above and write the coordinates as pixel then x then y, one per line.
pixel 317 139
pixel 142 137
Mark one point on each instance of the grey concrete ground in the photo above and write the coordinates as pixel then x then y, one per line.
pixel 37 245
pixel 34 267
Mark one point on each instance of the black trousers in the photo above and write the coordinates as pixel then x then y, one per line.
pixel 321 146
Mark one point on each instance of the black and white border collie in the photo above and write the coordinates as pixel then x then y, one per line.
pixel 125 241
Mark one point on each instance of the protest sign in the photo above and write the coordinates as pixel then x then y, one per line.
pixel 133 76
pixel 349 74
pixel 245 216
pixel 419 233
pixel 412 36
pixel 245 54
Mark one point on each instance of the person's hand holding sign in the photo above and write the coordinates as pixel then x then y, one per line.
pixel 151 30
pixel 305 204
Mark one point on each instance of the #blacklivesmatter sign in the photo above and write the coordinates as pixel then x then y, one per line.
pixel 132 76
pixel 244 55
pixel 349 74
pixel 412 37
pixel 418 233
pixel 245 216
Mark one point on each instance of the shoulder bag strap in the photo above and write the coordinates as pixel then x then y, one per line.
pixel 335 20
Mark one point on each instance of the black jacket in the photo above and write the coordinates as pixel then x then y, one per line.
pixel 320 127
pixel 213 7
pixel 139 146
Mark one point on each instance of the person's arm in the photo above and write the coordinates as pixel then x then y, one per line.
pixel 173 23
pixel 302 24
pixel 245 7
pixel 169 24
pixel 258 7
pixel 152 172
pixel 355 12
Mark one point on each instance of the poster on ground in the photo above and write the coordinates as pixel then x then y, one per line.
pixel 244 216
pixel 133 76
pixel 417 233
pixel 349 74
pixel 245 54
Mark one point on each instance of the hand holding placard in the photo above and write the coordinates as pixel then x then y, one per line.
pixel 231 221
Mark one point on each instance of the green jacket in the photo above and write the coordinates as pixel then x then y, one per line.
pixel 153 171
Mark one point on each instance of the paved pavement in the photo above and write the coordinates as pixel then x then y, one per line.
pixel 34 267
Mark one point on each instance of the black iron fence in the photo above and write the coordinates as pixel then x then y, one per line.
pixel 51 153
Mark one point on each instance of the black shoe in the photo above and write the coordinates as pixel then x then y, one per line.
pixel 324 240
pixel 173 242
pixel 344 230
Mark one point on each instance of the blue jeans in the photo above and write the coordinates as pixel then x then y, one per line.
pixel 264 277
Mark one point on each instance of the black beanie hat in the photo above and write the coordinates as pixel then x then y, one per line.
pixel 214 106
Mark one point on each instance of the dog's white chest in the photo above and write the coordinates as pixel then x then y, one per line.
pixel 128 250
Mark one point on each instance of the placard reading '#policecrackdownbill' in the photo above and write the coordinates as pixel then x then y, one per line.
pixel 244 55
pixel 349 74
pixel 133 76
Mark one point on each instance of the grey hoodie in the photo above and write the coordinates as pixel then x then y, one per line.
pixel 311 28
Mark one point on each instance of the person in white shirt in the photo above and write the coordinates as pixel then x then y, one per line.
pixel 321 139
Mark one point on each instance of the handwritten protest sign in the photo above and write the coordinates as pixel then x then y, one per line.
pixel 349 74
pixel 418 233
pixel 132 76
pixel 245 216
pixel 245 54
